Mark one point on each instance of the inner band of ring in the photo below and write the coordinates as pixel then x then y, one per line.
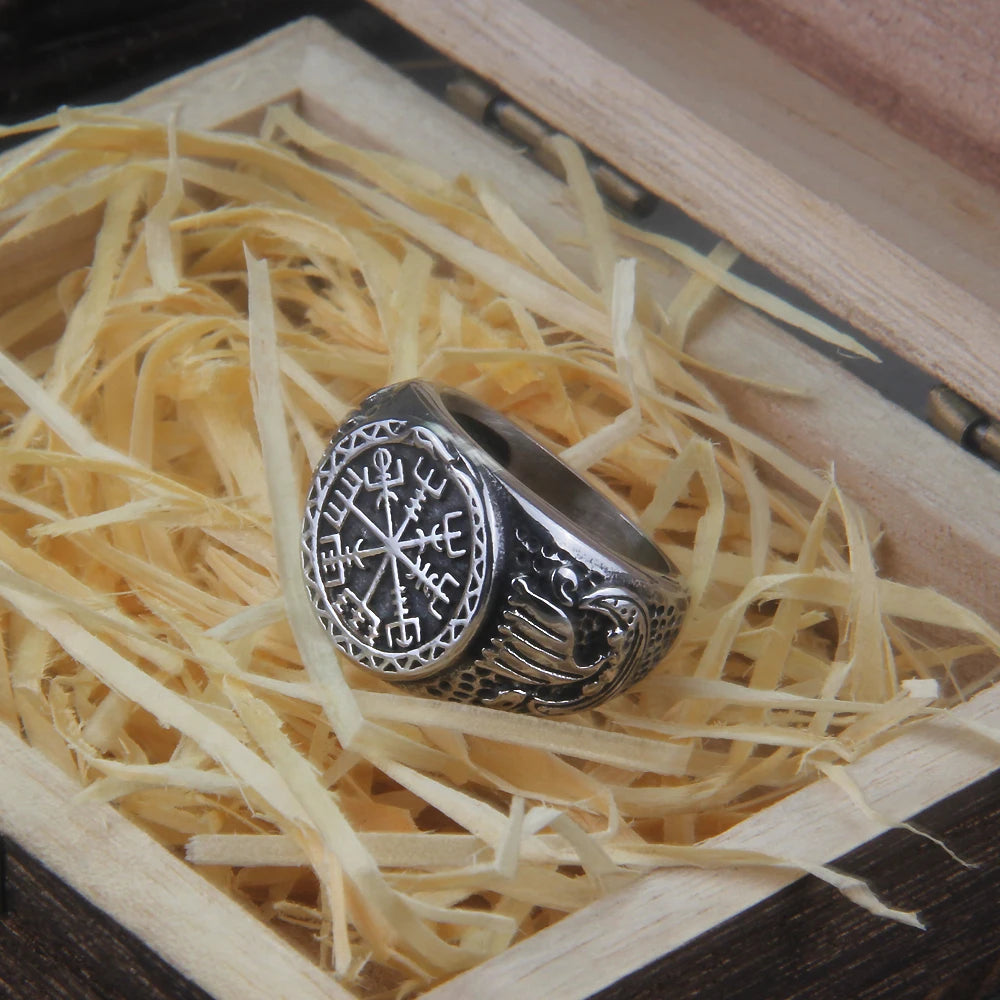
pixel 534 467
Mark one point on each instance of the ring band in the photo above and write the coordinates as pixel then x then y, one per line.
pixel 449 552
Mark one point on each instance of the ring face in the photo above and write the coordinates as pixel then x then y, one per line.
pixel 396 546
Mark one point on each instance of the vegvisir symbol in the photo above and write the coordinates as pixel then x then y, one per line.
pixel 393 538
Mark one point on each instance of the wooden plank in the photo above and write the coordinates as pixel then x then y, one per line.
pixel 936 499
pixel 240 85
pixel 870 225
pixel 807 941
pixel 671 908
pixel 206 936
pixel 940 505
pixel 928 68
pixel 55 945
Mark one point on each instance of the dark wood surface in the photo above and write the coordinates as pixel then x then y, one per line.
pixel 55 945
pixel 808 941
pixel 805 942
pixel 55 52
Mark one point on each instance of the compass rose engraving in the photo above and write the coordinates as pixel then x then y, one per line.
pixel 397 544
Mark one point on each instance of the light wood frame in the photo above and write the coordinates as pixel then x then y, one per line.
pixel 941 504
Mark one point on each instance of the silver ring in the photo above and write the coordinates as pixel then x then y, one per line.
pixel 449 552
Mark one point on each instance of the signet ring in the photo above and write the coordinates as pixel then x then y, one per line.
pixel 447 551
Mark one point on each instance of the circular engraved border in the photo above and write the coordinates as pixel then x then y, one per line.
pixel 434 654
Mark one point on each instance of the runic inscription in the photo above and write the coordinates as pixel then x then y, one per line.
pixel 394 546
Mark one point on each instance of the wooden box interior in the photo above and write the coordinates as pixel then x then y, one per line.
pixel 940 504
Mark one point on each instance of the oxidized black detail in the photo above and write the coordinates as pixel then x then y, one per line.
pixel 566 636
pixel 447 551
pixel 396 545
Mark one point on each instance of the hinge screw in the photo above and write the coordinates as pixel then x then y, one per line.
pixel 964 422
pixel 482 102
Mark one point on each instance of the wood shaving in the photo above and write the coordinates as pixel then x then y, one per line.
pixel 167 382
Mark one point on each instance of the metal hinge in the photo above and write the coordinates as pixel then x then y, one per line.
pixel 485 104
pixel 964 423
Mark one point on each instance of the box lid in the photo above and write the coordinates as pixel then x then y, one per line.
pixel 872 226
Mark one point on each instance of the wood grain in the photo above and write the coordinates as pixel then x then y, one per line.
pixel 808 942
pixel 871 226
pixel 936 499
pixel 916 488
pixel 121 870
pixel 54 945
pixel 805 941
pixel 668 910
pixel 929 68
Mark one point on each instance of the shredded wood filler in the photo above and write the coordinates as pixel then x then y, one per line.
pixel 187 319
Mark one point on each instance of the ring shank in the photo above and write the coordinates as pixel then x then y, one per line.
pixel 537 469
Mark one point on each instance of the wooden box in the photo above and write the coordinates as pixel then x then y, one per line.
pixel 875 228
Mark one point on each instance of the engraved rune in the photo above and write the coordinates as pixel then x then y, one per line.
pixel 395 534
